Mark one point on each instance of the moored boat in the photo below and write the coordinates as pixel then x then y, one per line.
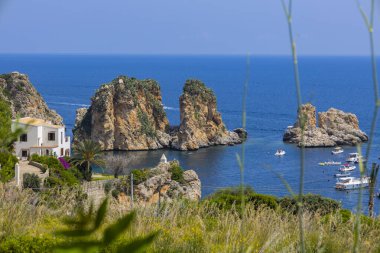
pixel 355 158
pixel 280 152
pixel 347 174
pixel 337 150
pixel 347 183
pixel 347 167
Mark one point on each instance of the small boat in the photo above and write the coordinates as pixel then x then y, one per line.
pixel 347 167
pixel 347 174
pixel 329 163
pixel 280 152
pixel 346 183
pixel 355 158
pixel 337 150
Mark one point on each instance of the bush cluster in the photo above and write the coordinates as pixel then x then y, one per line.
pixel 31 181
pixel 8 162
pixel 177 173
pixel 140 175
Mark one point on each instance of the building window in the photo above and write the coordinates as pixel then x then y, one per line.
pixel 47 152
pixel 51 136
pixel 61 151
pixel 61 137
pixel 24 138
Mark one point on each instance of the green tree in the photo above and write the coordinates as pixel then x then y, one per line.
pixel 87 154
pixel 7 138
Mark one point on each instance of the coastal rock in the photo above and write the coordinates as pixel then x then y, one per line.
pixel 201 124
pixel 24 99
pixel 335 127
pixel 161 183
pixel 126 114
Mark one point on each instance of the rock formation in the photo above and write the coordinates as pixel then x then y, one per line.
pixel 335 127
pixel 201 123
pixel 24 99
pixel 161 181
pixel 126 114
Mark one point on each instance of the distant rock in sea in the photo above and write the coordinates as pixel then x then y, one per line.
pixel 127 114
pixel 201 123
pixel 335 127
pixel 24 99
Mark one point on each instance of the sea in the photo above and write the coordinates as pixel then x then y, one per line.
pixel 67 82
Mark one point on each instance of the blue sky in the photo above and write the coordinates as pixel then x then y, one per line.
pixel 322 27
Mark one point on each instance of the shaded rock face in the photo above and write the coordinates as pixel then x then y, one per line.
pixel 126 114
pixel 161 183
pixel 201 124
pixel 335 127
pixel 24 99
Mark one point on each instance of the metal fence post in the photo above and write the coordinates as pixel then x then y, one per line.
pixel 132 190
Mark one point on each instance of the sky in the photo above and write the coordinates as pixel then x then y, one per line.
pixel 257 27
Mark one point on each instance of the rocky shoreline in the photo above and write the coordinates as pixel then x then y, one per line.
pixel 335 128
pixel 128 114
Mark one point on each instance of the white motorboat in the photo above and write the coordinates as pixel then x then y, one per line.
pixel 355 158
pixel 347 174
pixel 280 152
pixel 346 183
pixel 329 163
pixel 347 167
pixel 337 150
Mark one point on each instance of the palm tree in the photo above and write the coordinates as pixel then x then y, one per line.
pixel 86 154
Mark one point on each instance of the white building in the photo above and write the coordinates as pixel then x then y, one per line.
pixel 41 137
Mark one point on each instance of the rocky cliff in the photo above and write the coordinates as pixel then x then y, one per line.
pixel 201 124
pixel 24 99
pixel 162 182
pixel 126 114
pixel 335 127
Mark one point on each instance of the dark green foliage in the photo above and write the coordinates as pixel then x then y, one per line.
pixel 87 154
pixel 140 175
pixel 115 193
pixel 58 175
pixel 8 162
pixel 146 126
pixel 177 173
pixel 31 181
pixel 198 88
pixel 28 244
pixel 311 203
pixel 84 225
pixel 231 197
pixel 107 187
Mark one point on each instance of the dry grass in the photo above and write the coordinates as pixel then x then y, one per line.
pixel 193 227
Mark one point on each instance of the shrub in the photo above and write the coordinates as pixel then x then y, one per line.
pixel 28 243
pixel 107 187
pixel 31 181
pixel 140 175
pixel 115 193
pixel 8 162
pixel 312 203
pixel 231 197
pixel 177 173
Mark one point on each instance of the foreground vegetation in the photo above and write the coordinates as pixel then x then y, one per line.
pixel 29 222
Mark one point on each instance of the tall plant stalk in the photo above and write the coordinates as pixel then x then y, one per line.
pixel 241 158
pixel 301 118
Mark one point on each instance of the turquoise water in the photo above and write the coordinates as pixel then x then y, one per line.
pixel 67 82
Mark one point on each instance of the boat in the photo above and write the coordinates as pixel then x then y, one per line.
pixel 337 150
pixel 347 183
pixel 347 167
pixel 329 163
pixel 355 158
pixel 280 152
pixel 346 174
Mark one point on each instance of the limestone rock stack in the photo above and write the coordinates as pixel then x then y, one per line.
pixel 335 127
pixel 24 99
